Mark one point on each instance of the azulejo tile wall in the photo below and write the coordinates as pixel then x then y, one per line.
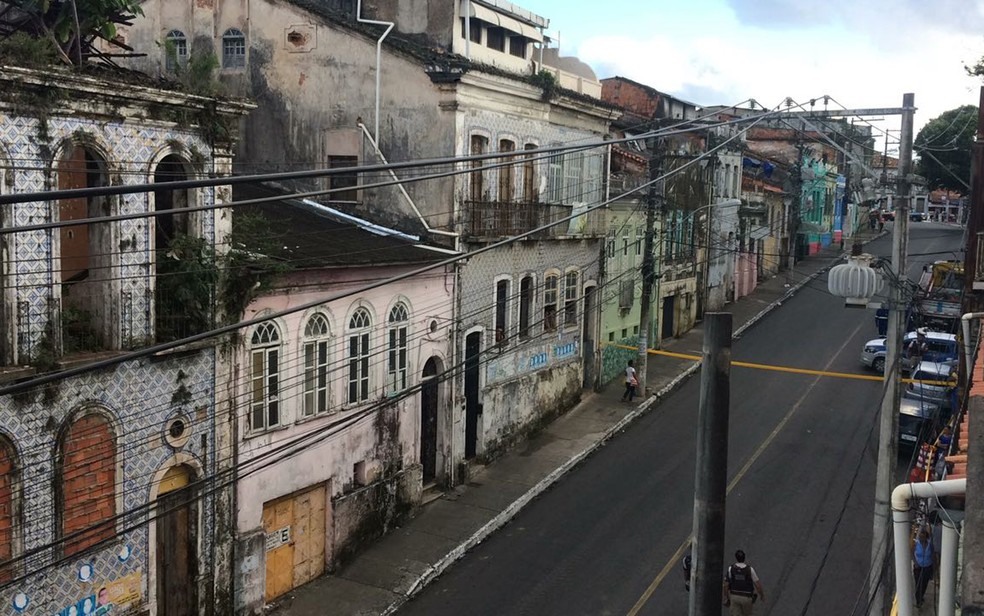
pixel 139 395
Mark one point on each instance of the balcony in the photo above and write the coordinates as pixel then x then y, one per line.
pixel 491 220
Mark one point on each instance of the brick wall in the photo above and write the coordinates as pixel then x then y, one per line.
pixel 88 482
pixel 6 509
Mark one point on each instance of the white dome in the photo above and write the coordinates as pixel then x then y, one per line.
pixel 855 281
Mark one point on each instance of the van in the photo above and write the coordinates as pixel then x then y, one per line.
pixel 940 348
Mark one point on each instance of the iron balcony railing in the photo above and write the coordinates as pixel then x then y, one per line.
pixel 498 219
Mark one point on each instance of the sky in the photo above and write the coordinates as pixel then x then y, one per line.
pixel 861 53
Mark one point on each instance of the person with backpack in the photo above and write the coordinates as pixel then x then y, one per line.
pixel 741 587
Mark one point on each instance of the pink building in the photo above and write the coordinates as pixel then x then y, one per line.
pixel 341 410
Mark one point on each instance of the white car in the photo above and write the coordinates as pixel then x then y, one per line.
pixel 932 382
pixel 941 347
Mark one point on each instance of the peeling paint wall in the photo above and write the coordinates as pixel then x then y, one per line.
pixel 371 466
pixel 311 78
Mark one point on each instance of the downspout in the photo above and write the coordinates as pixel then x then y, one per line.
pixel 901 529
pixel 379 55
pixel 468 11
pixel 968 347
pixel 403 191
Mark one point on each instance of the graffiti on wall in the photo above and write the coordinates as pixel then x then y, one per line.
pixel 532 357
pixel 614 358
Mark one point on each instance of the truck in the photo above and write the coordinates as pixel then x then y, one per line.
pixel 938 300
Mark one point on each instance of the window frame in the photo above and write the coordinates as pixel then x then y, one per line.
pixel 527 287
pixel 358 355
pixel 529 175
pixel 517 43
pixel 500 309
pixel 507 188
pixel 495 38
pixel 265 382
pixel 572 295
pixel 478 144
pixel 347 181
pixel 175 50
pixel 233 49
pixel 551 284
pixel 397 350
pixel 316 358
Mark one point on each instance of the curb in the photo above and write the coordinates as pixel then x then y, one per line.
pixel 516 506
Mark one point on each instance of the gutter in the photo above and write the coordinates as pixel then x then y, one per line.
pixel 968 347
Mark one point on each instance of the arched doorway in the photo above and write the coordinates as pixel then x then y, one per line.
pixel 177 543
pixel 429 403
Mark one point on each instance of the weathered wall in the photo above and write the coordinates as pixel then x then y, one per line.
pixel 136 398
pixel 307 91
pixel 384 444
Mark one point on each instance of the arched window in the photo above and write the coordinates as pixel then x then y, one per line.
pixel 175 50
pixel 9 519
pixel 397 355
pixel 264 377
pixel 358 356
pixel 87 483
pixel 316 389
pixel 233 49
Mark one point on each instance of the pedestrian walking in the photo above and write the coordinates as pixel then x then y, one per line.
pixel 922 564
pixel 741 587
pixel 630 383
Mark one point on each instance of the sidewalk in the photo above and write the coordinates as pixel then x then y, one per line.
pixel 384 576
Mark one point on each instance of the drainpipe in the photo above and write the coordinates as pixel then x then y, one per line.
pixel 948 568
pixel 379 55
pixel 968 347
pixel 468 11
pixel 403 191
pixel 901 529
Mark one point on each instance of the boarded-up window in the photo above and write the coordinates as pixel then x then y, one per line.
pixel 8 519
pixel 87 487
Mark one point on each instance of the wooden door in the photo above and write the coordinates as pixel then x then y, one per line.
pixel 278 517
pixel 177 554
pixel 309 535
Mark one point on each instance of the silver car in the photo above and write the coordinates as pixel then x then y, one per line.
pixel 932 382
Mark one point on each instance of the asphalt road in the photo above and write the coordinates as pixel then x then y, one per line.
pixel 801 467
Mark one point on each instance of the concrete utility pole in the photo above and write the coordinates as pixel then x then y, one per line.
pixel 972 590
pixel 712 465
pixel 878 579
pixel 648 264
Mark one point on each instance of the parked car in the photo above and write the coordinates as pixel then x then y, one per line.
pixel 941 348
pixel 917 216
pixel 913 416
pixel 888 215
pixel 932 382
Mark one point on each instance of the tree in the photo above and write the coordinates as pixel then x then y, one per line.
pixel 944 147
pixel 71 27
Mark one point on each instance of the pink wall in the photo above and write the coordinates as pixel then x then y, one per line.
pixel 746 274
pixel 429 298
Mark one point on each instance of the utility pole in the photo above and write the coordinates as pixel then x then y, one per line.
pixel 878 580
pixel 712 466
pixel 648 263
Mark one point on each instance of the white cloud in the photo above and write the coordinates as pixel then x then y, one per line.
pixel 744 62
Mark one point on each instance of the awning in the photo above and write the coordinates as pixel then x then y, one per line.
pixel 495 18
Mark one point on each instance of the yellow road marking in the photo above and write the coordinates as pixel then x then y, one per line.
pixel 788 369
pixel 734 482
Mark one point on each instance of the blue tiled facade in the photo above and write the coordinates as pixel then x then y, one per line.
pixel 138 397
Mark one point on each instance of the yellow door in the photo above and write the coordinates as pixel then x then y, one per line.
pixel 278 516
pixel 309 535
